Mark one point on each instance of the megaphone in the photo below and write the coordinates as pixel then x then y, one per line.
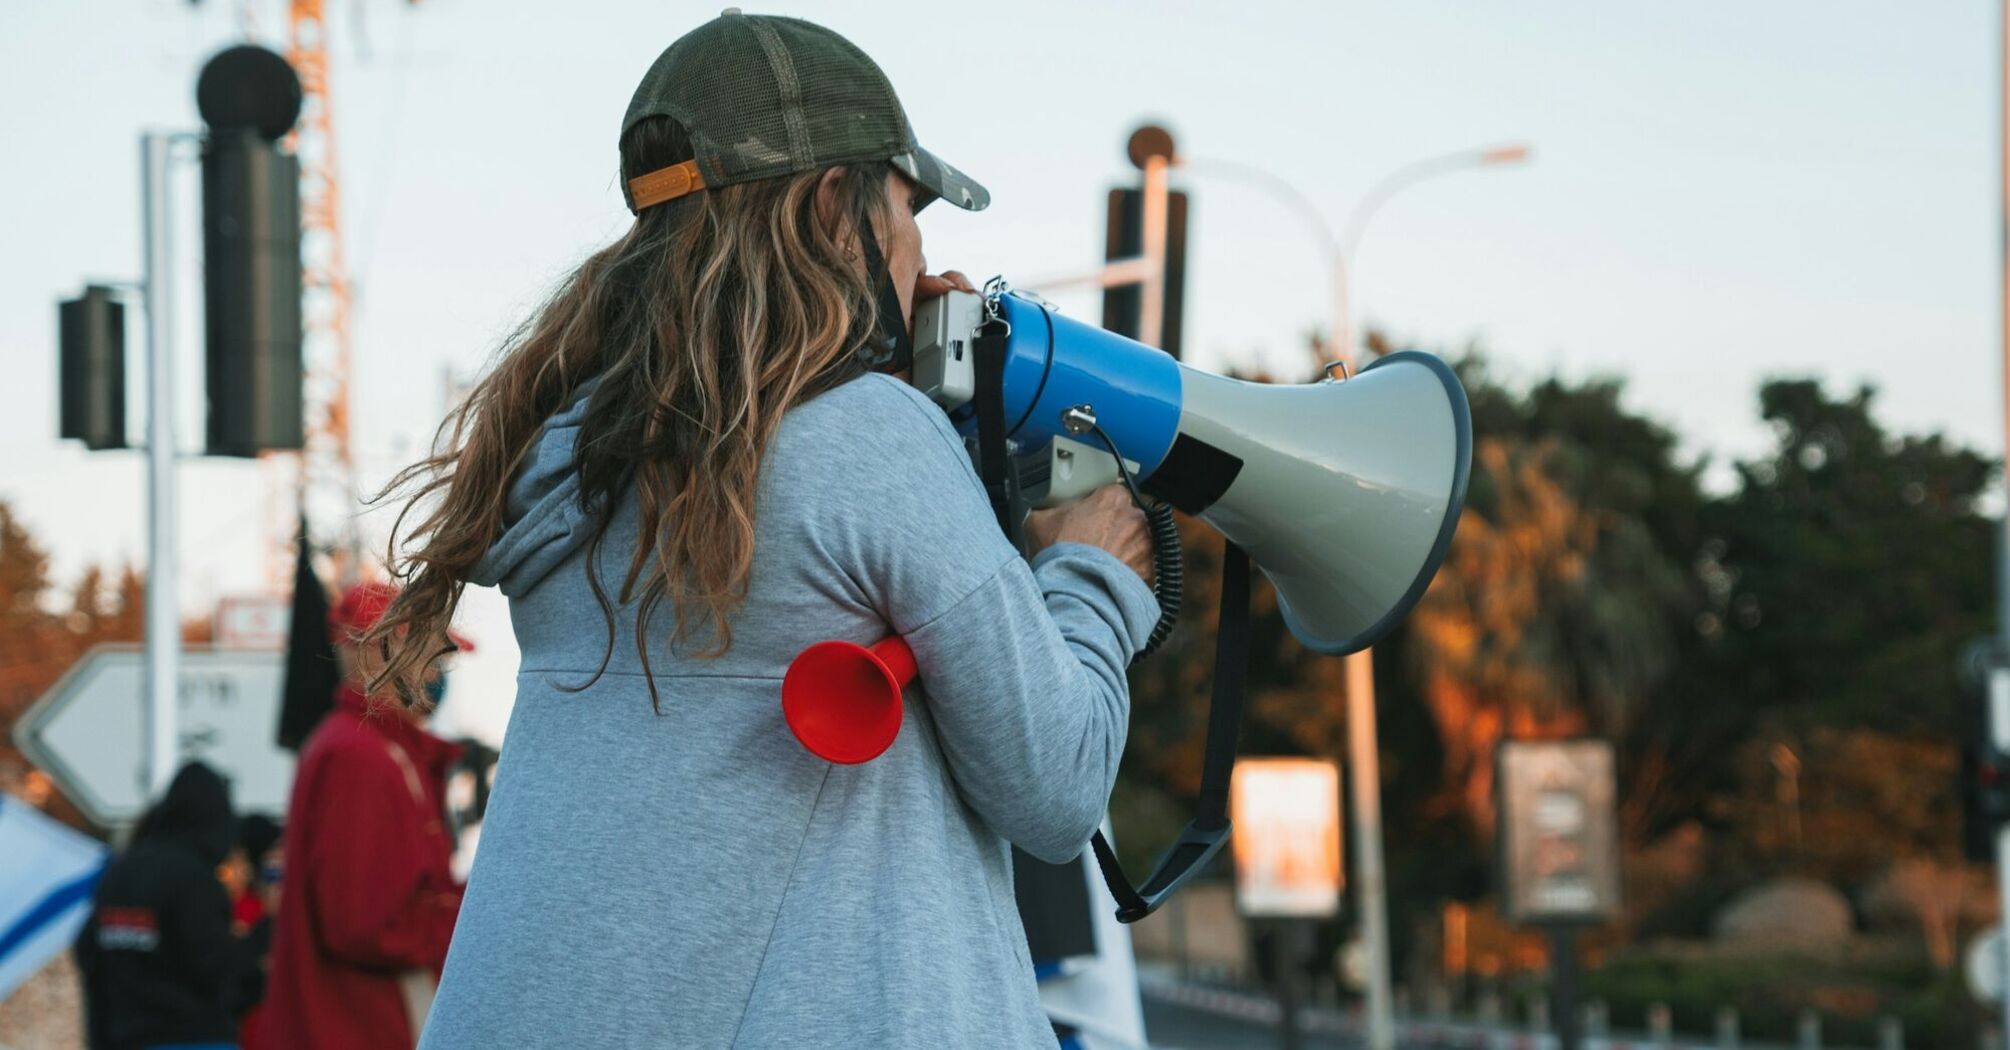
pixel 1344 492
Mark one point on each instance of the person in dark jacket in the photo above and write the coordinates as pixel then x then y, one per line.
pixel 160 965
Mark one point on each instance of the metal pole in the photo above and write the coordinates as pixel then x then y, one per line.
pixel 1999 678
pixel 163 630
pixel 1152 293
pixel 1365 773
pixel 1285 956
pixel 1563 986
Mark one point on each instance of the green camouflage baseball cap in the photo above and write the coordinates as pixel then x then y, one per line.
pixel 762 96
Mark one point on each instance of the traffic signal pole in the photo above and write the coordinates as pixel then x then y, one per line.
pixel 163 627
pixel 1999 675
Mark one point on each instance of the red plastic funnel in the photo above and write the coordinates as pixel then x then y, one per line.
pixel 842 700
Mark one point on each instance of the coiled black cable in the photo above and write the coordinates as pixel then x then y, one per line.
pixel 1168 558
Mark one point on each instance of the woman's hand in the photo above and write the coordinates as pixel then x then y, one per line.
pixel 935 285
pixel 1104 518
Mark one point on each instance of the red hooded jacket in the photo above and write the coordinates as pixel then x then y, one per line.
pixel 368 897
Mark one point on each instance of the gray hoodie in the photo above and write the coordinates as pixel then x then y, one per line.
pixel 694 878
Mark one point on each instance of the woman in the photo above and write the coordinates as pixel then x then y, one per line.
pixel 695 460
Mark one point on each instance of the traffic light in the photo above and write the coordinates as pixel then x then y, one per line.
pixel 249 97
pixel 1125 239
pixel 1985 768
pixel 91 369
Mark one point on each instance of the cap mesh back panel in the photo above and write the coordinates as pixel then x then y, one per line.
pixel 848 105
pixel 727 90
pixel 720 83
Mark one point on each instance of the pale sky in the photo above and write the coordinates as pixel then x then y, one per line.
pixel 1720 192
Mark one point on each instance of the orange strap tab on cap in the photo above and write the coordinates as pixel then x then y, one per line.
pixel 665 184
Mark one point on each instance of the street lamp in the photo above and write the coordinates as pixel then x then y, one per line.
pixel 1363 760
pixel 1340 249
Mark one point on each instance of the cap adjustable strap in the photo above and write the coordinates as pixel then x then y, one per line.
pixel 665 184
pixel 892 347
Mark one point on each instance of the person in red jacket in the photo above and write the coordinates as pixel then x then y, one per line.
pixel 369 899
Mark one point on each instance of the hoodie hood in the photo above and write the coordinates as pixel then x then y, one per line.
pixel 195 810
pixel 544 520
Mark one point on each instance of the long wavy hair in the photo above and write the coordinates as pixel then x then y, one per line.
pixel 712 316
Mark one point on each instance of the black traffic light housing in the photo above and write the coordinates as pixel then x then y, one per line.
pixel 91 369
pixel 249 98
pixel 1123 305
pixel 1985 768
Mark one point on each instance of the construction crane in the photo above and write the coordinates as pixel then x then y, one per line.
pixel 326 491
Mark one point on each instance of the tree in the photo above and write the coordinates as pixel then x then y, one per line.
pixel 1848 569
pixel 41 636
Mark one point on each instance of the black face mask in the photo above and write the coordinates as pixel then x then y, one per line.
pixel 890 348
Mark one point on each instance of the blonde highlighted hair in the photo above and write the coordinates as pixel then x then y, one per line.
pixel 711 317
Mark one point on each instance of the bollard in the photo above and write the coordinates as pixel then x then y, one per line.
pixel 1597 1020
pixel 1660 1025
pixel 1808 1030
pixel 1490 1007
pixel 1727 1028
pixel 1538 1015
pixel 1890 1034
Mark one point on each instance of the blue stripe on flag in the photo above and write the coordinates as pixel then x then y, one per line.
pixel 49 909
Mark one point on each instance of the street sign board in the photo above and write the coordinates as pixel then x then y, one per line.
pixel 1558 830
pixel 1984 964
pixel 254 621
pixel 89 730
pixel 1286 837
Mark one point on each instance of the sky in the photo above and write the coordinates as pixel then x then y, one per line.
pixel 1719 192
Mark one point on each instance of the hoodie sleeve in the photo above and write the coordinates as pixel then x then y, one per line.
pixel 1023 665
pixel 372 895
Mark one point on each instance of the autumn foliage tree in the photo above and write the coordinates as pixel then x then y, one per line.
pixel 1596 586
pixel 44 629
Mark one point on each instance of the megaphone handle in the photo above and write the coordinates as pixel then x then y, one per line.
pixel 893 652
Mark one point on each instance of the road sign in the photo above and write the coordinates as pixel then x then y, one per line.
pixel 89 730
pixel 254 621
pixel 1985 964
pixel 1559 838
pixel 1286 818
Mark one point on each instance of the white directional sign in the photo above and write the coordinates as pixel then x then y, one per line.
pixel 89 730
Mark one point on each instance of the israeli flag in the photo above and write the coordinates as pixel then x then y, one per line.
pixel 45 889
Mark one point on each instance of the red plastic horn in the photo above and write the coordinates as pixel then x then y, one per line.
pixel 842 700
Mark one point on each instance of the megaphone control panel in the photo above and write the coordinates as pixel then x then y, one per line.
pixel 945 362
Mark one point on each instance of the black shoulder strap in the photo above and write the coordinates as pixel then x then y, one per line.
pixel 989 349
pixel 1204 837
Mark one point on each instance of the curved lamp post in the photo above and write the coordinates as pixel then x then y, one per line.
pixel 1362 758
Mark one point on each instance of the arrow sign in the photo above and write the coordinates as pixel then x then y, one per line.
pixel 89 730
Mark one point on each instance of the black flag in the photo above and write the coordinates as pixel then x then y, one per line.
pixel 311 675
